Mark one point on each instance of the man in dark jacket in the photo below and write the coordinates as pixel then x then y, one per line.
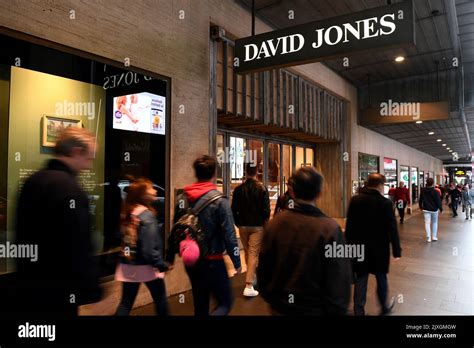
pixel 430 203
pixel 296 274
pixel 53 213
pixel 209 275
pixel 251 209
pixel 455 195
pixel 371 222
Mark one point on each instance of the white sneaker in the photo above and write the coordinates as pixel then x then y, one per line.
pixel 428 240
pixel 250 292
pixel 435 239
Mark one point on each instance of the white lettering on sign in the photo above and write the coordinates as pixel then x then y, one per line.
pixel 363 29
pixel 269 48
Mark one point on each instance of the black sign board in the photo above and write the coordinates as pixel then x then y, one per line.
pixel 377 28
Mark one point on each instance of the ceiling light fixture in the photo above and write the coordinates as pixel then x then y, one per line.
pixel 430 133
pixel 444 144
pixel 399 59
pixel 447 148
pixel 419 122
pixel 439 140
pixel 450 150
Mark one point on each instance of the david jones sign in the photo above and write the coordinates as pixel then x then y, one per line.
pixel 381 27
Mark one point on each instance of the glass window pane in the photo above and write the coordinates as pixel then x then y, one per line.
pixel 255 155
pixel 309 157
pixel 287 165
pixel 405 175
pixel 299 157
pixel 220 150
pixel 368 164
pixel 236 159
pixel 273 183
pixel 390 172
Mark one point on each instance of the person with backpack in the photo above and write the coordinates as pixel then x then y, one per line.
pixel 203 231
pixel 251 209
pixel 141 258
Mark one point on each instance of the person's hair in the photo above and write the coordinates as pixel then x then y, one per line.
pixel 71 138
pixel 136 193
pixel 204 167
pixel 250 169
pixel 306 183
pixel 375 179
pixel 429 182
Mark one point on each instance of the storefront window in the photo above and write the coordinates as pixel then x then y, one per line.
pixel 368 164
pixel 309 157
pixel 414 184
pixel 287 165
pixel 273 183
pixel 300 161
pixel 390 172
pixel 125 110
pixel 236 159
pixel 422 179
pixel 254 155
pixel 405 175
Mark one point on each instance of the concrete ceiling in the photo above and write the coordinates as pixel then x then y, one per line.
pixel 444 30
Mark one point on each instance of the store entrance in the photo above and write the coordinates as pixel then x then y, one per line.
pixel 275 161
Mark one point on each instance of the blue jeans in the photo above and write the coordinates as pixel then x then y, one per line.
pixel 209 277
pixel 431 223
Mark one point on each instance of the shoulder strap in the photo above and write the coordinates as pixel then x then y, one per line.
pixel 203 203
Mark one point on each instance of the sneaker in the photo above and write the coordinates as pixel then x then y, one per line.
pixel 250 292
pixel 428 240
pixel 435 239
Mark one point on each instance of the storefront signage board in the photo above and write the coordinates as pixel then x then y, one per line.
pixel 377 28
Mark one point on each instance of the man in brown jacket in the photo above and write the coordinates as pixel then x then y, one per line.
pixel 299 273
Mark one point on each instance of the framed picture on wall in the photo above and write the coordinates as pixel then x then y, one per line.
pixel 52 127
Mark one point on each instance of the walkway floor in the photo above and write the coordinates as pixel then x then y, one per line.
pixel 430 279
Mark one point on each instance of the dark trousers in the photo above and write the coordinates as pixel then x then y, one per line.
pixel 454 207
pixel 210 277
pixel 360 292
pixel 129 293
pixel 401 210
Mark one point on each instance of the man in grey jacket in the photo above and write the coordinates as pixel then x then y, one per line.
pixel 467 200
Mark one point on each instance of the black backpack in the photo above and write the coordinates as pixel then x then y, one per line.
pixel 188 225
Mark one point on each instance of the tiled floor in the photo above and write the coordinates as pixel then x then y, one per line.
pixel 430 279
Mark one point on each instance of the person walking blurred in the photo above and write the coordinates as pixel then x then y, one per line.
pixel 251 210
pixel 296 275
pixel 402 199
pixel 371 222
pixel 285 200
pixel 468 201
pixel 53 213
pixel 208 275
pixel 430 203
pixel 142 256
pixel 455 196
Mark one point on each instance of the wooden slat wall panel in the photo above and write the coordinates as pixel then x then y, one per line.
pixel 268 96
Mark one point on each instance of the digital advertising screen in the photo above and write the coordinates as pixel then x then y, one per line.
pixel 140 112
